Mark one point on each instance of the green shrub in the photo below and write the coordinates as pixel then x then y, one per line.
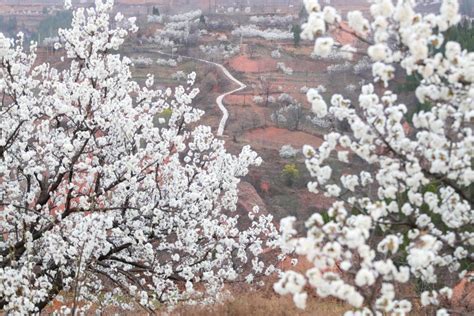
pixel 290 173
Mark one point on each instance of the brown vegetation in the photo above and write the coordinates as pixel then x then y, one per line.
pixel 259 304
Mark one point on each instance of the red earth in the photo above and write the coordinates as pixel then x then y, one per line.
pixel 274 137
pixel 242 63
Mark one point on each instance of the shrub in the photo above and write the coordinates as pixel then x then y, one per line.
pixel 290 174
pixel 287 151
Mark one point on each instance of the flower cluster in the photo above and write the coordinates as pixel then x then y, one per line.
pixel 403 208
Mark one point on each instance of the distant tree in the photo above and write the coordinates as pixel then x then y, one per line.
pixel 296 29
pixel 202 19
pixel 265 86
pixel 303 15
pixel 463 33
pixel 294 116
pixel 252 50
pixel 287 152
pixel 156 11
pixel 290 173
pixel 287 112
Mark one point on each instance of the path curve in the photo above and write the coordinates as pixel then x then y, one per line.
pixel 219 99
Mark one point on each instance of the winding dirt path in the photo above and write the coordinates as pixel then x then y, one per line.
pixel 219 99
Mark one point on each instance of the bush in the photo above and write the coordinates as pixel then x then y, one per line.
pixel 290 173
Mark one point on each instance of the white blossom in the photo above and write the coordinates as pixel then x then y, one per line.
pixel 407 198
pixel 318 105
pixel 108 200
pixel 323 46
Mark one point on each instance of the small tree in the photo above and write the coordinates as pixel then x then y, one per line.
pixel 252 50
pixel 265 86
pixel 296 29
pixel 202 19
pixel 96 200
pixel 155 11
pixel 294 116
pixel 290 173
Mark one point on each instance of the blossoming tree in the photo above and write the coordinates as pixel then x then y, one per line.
pixel 102 198
pixel 407 215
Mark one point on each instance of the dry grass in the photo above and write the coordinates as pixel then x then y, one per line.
pixel 249 303
pixel 258 304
